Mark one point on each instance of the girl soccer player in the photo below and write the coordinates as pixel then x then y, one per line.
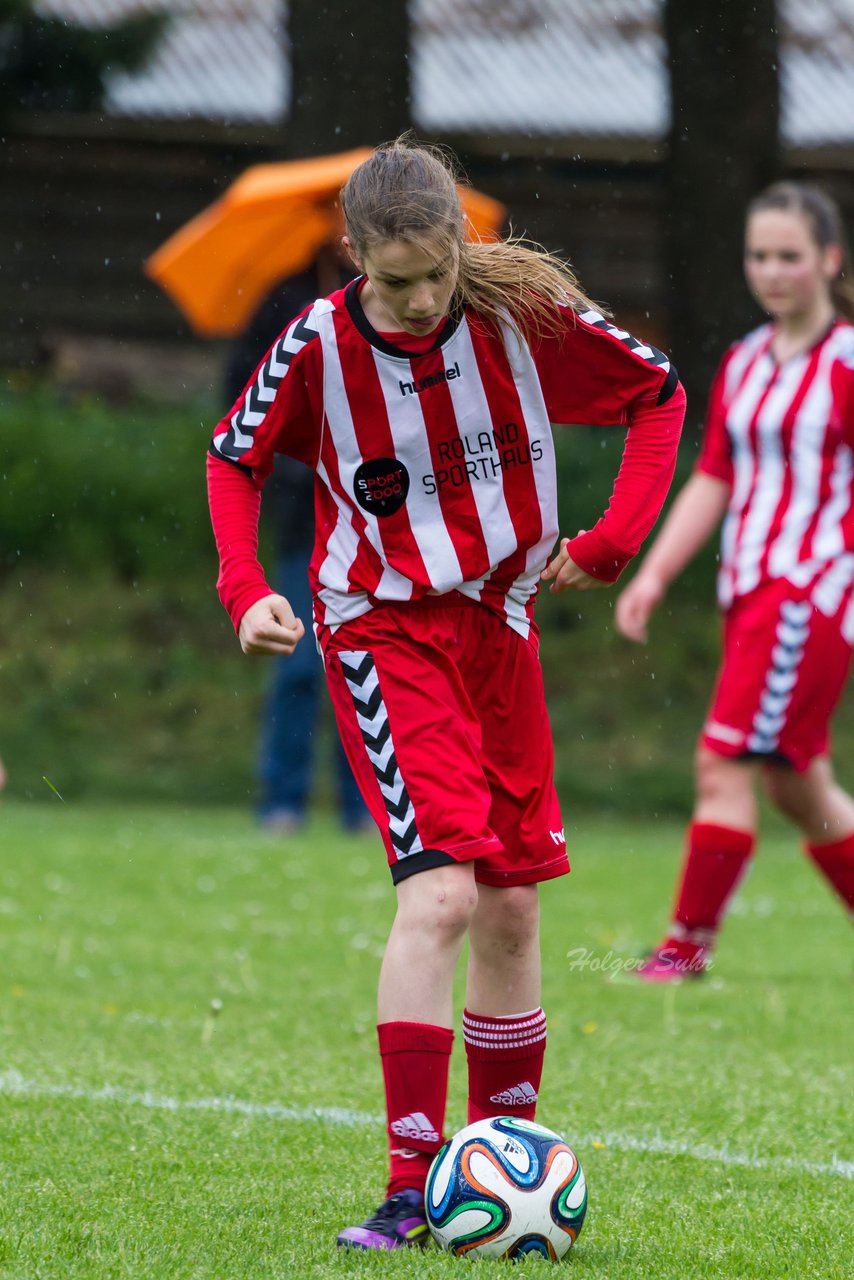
pixel 777 464
pixel 421 396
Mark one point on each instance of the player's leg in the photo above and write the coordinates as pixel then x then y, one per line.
pixel 719 843
pixel 414 1024
pixel 784 666
pixel 415 1014
pixel 721 837
pixel 504 1025
pixel 413 743
pixel 434 911
pixel 824 813
pixel 803 786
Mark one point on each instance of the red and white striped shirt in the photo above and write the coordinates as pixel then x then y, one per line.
pixel 782 435
pixel 435 471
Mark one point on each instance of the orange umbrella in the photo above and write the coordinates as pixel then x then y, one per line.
pixel 268 225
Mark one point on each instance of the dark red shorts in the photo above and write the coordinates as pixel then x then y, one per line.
pixel 783 670
pixel 442 714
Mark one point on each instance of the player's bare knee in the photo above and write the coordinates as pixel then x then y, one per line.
pixel 515 917
pixel 775 789
pixel 451 910
pixel 713 775
pixel 442 904
pixel 786 792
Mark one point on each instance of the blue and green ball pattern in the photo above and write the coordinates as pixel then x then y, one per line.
pixel 506 1188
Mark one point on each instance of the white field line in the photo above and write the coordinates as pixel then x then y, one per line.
pixel 13 1083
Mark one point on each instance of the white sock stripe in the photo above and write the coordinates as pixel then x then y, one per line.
pixel 475 1033
pixel 502 1041
pixel 487 1035
pixel 533 1019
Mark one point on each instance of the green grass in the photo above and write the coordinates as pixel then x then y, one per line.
pixel 121 926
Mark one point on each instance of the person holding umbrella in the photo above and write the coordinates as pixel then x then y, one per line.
pixel 422 396
pixel 292 706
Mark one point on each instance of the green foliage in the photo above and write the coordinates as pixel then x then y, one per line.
pixel 120 674
pixel 89 487
pixel 147 1138
pixel 625 717
pixel 119 670
pixel 49 64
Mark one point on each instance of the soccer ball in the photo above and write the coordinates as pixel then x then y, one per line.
pixel 504 1188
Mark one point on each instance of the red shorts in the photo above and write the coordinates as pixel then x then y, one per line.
pixel 442 714
pixel 784 668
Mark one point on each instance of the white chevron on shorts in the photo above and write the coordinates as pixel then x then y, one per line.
pixel 792 632
pixel 372 717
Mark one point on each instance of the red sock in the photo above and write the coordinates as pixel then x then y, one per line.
pixel 715 860
pixel 415 1058
pixel 835 861
pixel 505 1058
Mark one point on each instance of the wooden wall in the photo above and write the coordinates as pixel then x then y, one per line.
pixel 84 201
pixel 81 206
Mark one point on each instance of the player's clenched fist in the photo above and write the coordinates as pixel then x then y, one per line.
pixel 563 573
pixel 270 626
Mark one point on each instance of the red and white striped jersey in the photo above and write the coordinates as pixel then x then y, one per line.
pixel 435 472
pixel 782 435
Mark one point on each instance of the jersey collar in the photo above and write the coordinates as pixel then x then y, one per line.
pixel 360 320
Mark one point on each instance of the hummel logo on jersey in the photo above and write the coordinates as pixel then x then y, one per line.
pixel 518 1095
pixel 415 388
pixel 417 1126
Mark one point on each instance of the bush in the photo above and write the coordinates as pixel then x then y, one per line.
pixel 86 485
pixel 120 675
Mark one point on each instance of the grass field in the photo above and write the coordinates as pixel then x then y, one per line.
pixel 145 1135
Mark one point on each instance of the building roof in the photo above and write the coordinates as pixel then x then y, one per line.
pixel 535 68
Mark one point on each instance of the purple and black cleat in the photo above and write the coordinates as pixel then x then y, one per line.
pixel 399 1221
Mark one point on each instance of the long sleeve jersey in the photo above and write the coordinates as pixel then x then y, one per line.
pixel 435 472
pixel 782 436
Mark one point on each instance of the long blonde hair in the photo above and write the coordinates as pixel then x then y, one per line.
pixel 824 220
pixel 407 190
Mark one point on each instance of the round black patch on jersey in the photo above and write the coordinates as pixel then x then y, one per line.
pixel 381 486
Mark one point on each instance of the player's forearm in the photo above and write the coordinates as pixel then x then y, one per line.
pixel 235 504
pixel 644 478
pixel 695 514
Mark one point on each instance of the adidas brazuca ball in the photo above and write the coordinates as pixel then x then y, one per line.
pixel 504 1188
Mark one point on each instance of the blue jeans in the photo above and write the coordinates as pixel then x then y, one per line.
pixel 291 713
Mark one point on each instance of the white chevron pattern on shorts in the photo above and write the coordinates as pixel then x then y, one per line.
pixel 792 632
pixel 361 675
